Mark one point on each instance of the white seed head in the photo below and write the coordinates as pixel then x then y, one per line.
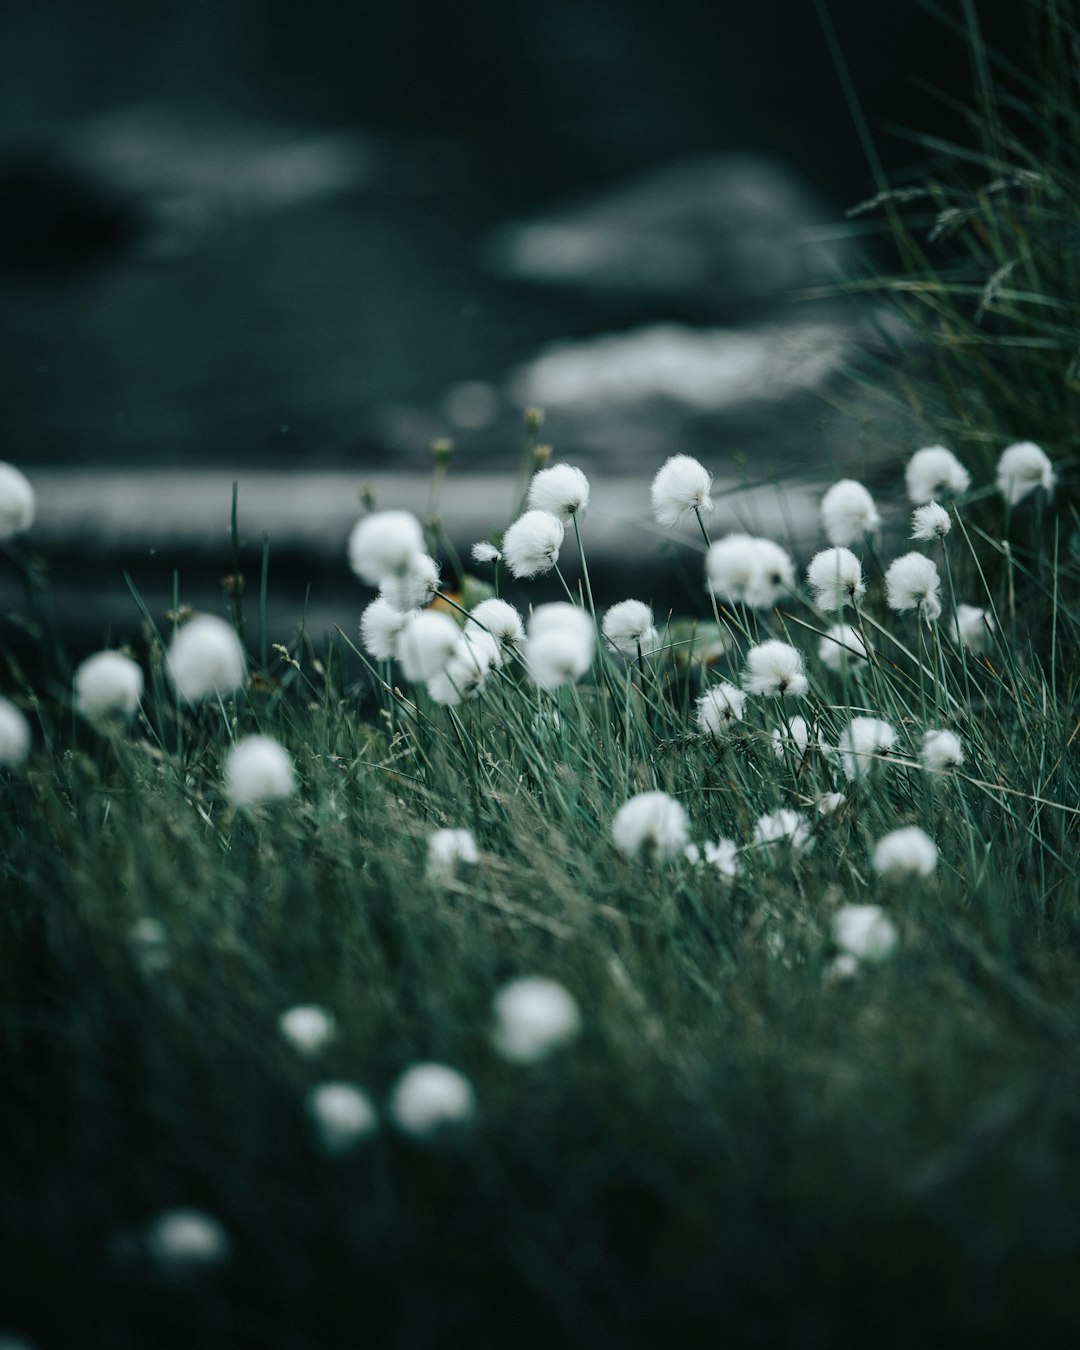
pixel 14 734
pixel 108 684
pixel 447 851
pixel 560 614
pixel 533 1016
pixel 562 490
pixel 380 627
pixel 308 1028
pixel 905 853
pixel 1022 469
pixel 343 1116
pixel 842 647
pixel 651 825
pixel 560 655
pixel 719 708
pixel 841 968
pixel 783 827
pixel 681 486
pixel 848 512
pixel 18 504
pixel 934 472
pixel 383 545
pixel 498 618
pixel 476 655
pixel 723 857
pixel 913 582
pixel 791 739
pixel 258 769
pixel 483 552
pixel 531 545
pixel 414 586
pixel 426 644
pixel 941 750
pixel 865 932
pixel 835 575
pixel 187 1240
pixel 429 1097
pixel 774 668
pixel 630 629
pixel 862 743
pixel 743 569
pixel 826 803
pixel 205 658
pixel 930 522
pixel 972 627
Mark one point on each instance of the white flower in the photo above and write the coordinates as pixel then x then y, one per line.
pixel 426 644
pixel 384 544
pixel 430 1096
pixel 681 485
pixel 651 824
pixel 794 737
pixel 308 1028
pixel 723 857
pixel 1021 469
pixel 533 1017
pixel 972 627
pixel 828 802
pixel 865 932
pixel 562 490
pixel 941 750
pixel 835 575
pixel 14 734
pixel 258 769
pixel 414 586
pixel 774 668
pixel 498 618
pixel 743 569
pixel 149 938
pixel 842 647
pixel 630 629
pixel 784 827
pixel 206 657
pixel 861 742
pixel 559 655
pixel 187 1240
pixel 108 682
pixel 531 545
pixel 905 853
pixel 719 708
pixel 913 582
pixel 930 522
pixel 380 627
pixel 18 505
pixel 932 472
pixel 840 968
pixel 483 552
pixel 560 614
pixel 447 849
pixel 476 655
pixel 342 1114
pixel 848 512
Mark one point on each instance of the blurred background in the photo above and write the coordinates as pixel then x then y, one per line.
pixel 245 241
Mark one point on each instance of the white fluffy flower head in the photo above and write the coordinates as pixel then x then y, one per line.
pixel 426 643
pixel 188 1240
pixel 413 586
pixel 848 512
pixel 651 825
pixel 560 654
pixel 18 505
pixel 14 734
pixel 500 619
pixel 905 853
pixel 380 627
pixel 681 486
pixel 343 1116
pixel 429 1097
pixel 205 658
pixel 562 490
pixel 447 851
pixel 972 627
pixel 531 545
pixel 934 472
pixel 108 684
pixel 913 582
pixel 865 932
pixel 258 769
pixel 941 750
pixel 483 552
pixel 930 522
pixel 1022 469
pixel 383 544
pixel 743 569
pixel 841 647
pixel 476 655
pixel 533 1016
pixel 719 708
pixel 722 856
pixel 630 629
pixel 835 576
pixel 783 827
pixel 308 1028
pixel 792 738
pixel 774 668
pixel 862 743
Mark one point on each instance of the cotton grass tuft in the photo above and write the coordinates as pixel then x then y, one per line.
pixel 430 1097
pixel 108 684
pixel 384 544
pixel 650 826
pixel 848 512
pixel 531 545
pixel 681 487
pixel 934 472
pixel 205 658
pixel 835 576
pixel 561 490
pixel 775 669
pixel 1023 469
pixel 912 582
pixel 308 1028
pixel 533 1017
pixel 258 769
pixel 18 503
pixel 905 853
pixel 14 734
pixel 343 1116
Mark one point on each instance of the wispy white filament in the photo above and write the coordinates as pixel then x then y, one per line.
pixel 930 522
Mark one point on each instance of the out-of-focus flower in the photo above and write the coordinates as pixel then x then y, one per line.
pixel 905 853
pixel 913 582
pixel 934 472
pixel 941 750
pixel 414 586
pixel 429 1097
pixel 531 545
pixel 384 544
pixel 204 658
pixel 827 803
pixel 842 647
pixel 742 569
pixel 835 575
pixel 792 738
pixel 774 668
pixel 848 512
pixel 559 654
pixel 681 486
pixel 18 504
pixel 719 708
pixel 1022 469
pixel 14 734
pixel 483 552
pixel 722 856
pixel 972 627
pixel 308 1028
pixel 862 742
pixel 560 614
pixel 108 683
pixel 865 932
pixel 930 522
pixel 562 490
pixel 258 769
pixel 187 1240
pixel 630 629
pixel 447 850
pixel 343 1116
pixel 533 1017
pixel 783 827
pixel 476 655
pixel 500 619
pixel 426 643
pixel 651 825
pixel 380 627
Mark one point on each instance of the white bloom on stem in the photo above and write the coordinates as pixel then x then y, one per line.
pixel 414 586
pixel 930 522
pixel 941 750
pixel 531 545
pixel 743 569
pixel 862 743
pixel 835 576
pixel 533 1017
pixel 792 738
pixel 18 504
pixel 204 658
pixel 426 644
pixel 783 827
pixel 650 825
pixel 826 803
pixel 905 853
pixel 308 1028
pixel 380 627
pixel 182 1240
pixel 560 655
pixel 384 544
pixel 476 655
pixel 723 857
pixel 842 967
pixel 447 850
pixel 500 619
pixel 681 486
pixel 630 629
pixel 428 1097
pixel 719 708
pixel 560 614
pixel 108 683
pixel 972 627
pixel 258 769
pixel 865 932
pixel 343 1116
pixel 913 582
pixel 848 512
pixel 561 489
pixel 1022 469
pixel 933 472
pixel 483 552
pixel 774 668
pixel 842 647
pixel 14 734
